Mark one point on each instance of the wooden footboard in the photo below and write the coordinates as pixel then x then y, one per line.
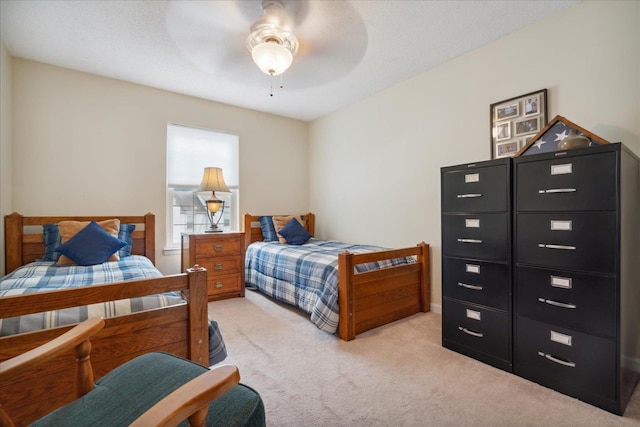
pixel 181 330
pixel 371 299
pixel 375 298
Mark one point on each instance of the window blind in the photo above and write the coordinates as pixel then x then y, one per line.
pixel 190 150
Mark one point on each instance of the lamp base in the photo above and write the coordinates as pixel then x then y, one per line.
pixel 213 229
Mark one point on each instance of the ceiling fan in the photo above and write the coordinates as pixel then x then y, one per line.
pixel 314 41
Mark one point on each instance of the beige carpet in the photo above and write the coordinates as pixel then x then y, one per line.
pixel 396 375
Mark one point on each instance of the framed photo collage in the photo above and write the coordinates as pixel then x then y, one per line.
pixel 515 121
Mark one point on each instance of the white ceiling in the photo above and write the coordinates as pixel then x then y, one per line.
pixel 348 49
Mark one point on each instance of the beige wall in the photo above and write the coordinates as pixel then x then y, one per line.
pixel 84 144
pixel 375 166
pixel 5 143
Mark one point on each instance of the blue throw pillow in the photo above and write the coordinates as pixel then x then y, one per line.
pixel 268 230
pixel 92 245
pixel 294 233
pixel 124 234
pixel 52 239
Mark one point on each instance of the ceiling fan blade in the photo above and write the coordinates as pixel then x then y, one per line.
pixel 212 35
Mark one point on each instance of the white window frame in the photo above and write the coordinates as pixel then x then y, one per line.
pixel 193 165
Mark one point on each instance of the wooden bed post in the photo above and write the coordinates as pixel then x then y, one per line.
pixel 13 229
pixel 346 322
pixel 425 280
pixel 150 237
pixel 198 315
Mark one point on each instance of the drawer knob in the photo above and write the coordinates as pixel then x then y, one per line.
pixel 469 196
pixel 557 190
pixel 556 303
pixel 218 285
pixel 557 360
pixel 217 248
pixel 470 332
pixel 561 247
pixel 218 266
pixel 473 287
pixel 469 241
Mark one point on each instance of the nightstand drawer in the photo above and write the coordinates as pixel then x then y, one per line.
pixel 219 247
pixel 222 265
pixel 223 284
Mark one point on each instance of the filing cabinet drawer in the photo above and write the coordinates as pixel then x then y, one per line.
pixel 558 357
pixel 579 183
pixel 584 302
pixel 221 266
pixel 223 284
pixel 479 282
pixel 567 240
pixel 220 247
pixel 480 328
pixel 484 236
pixel 482 189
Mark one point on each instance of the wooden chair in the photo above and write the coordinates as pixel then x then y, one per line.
pixel 155 389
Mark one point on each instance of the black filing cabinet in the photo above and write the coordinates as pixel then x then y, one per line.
pixel 577 272
pixel 476 261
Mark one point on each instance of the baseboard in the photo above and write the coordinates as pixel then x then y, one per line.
pixel 631 363
pixel 436 308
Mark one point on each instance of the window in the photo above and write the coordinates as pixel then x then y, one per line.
pixel 189 151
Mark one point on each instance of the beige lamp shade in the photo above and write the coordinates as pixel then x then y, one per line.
pixel 213 180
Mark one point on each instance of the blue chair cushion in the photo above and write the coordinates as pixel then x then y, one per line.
pixel 125 393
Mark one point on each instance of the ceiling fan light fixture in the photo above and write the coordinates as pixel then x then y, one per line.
pixel 271 57
pixel 270 41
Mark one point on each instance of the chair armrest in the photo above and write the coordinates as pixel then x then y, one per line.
pixel 65 342
pixel 190 398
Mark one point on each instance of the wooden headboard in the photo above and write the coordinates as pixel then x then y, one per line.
pixel 253 232
pixel 24 242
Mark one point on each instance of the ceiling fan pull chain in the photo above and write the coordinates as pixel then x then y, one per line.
pixel 271 85
pixel 281 84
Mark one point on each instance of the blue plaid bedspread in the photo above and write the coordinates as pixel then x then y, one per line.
pixel 46 276
pixel 306 276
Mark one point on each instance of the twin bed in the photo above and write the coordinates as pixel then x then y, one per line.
pixel 181 327
pixel 347 289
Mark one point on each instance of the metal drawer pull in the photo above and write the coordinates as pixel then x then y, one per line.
pixel 217 248
pixel 564 247
pixel 474 287
pixel 469 241
pixel 469 196
pixel 218 285
pixel 557 304
pixel 218 266
pixel 556 360
pixel 557 190
pixel 472 333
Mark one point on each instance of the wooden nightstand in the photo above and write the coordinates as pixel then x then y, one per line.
pixel 222 254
